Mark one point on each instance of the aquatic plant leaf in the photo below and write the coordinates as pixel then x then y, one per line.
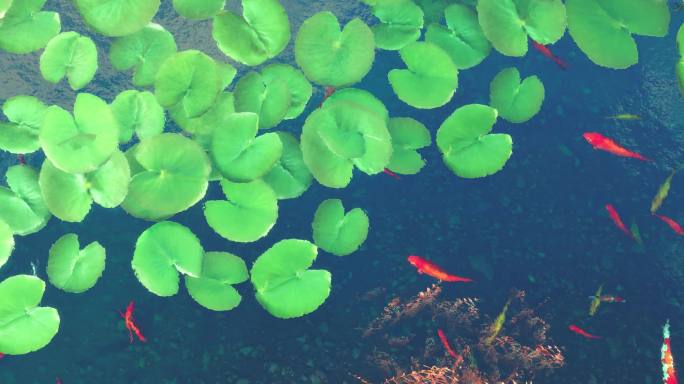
pixel 72 56
pixel 333 57
pixel 22 206
pixel 238 153
pixel 24 28
pixel 400 23
pixel 508 23
pixel 72 269
pixel 603 29
pixel 284 284
pixel 25 115
pixel 213 289
pixel 198 9
pixel 6 242
pixel 289 177
pixel 433 10
pixel 261 33
pixel 171 176
pixel 298 86
pixel 360 98
pixel 248 214
pixel 326 167
pixel 462 38
pixel 162 252
pixel 4 7
pixel 270 100
pixel 430 80
pixel 144 51
pixel 516 101
pixel 138 112
pixel 117 17
pixel 679 67
pixel 83 142
pixel 408 135
pixel 24 326
pixel 336 232
pixel 202 127
pixel 467 147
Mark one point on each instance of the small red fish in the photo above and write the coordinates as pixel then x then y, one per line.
pixel 582 332
pixel 326 93
pixel 598 141
pixel 666 359
pixel 673 224
pixel 446 345
pixel 547 52
pixel 2 355
pixel 130 323
pixel 617 220
pixel 430 269
pixel 58 381
pixel 609 299
pixel 391 174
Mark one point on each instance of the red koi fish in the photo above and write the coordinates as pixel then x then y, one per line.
pixel 435 271
pixel 130 324
pixel 446 345
pixel 547 52
pixel 391 174
pixel 669 373
pixel 582 332
pixel 609 299
pixel 598 141
pixel 617 220
pixel 673 224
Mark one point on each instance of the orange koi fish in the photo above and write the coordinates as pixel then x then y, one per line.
pixel 582 332
pixel 617 220
pixel 547 52
pixel 130 324
pixel 430 269
pixel 598 141
pixel 669 373
pixel 446 345
pixel 391 174
pixel 673 224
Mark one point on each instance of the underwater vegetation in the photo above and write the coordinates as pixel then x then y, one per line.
pixel 193 121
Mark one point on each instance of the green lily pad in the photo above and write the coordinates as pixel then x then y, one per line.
pixel 270 100
pixel 249 213
pixel 331 57
pixel 238 153
pixel 508 23
pixel 298 86
pixel 430 80
pixel 22 206
pixel 289 177
pixel 162 252
pixel 284 284
pixel 679 67
pixel 72 56
pixel 6 242
pixel 400 23
pixel 462 38
pixel 138 112
pixel 408 135
pixel 214 288
pixel 144 51
pixel 117 17
pixel 336 232
pixel 202 127
pixel 261 33
pixel 171 176
pixel 468 148
pixel 198 9
pixel 24 326
pixel 25 28
pixel 360 98
pixel 83 142
pixel 72 269
pixel 516 101
pixel 25 115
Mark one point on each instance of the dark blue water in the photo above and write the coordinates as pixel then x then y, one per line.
pixel 539 225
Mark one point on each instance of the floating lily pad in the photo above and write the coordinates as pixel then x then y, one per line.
pixel 24 326
pixel 408 135
pixel 331 57
pixel 430 80
pixel 6 242
pixel 360 98
pixel 138 112
pixel 162 252
pixel 83 142
pixel 336 232
pixel 72 56
pixel 202 127
pixel 117 17
pixel 462 38
pixel 298 86
pixel 261 33
pixel 468 147
pixel 22 206
pixel 214 288
pixel 603 29
pixel 289 177
pixel 171 176
pixel 198 9
pixel 25 28
pixel 508 23
pixel 516 101
pixel 72 269
pixel 268 99
pixel 25 115
pixel 284 284
pixel 400 23
pixel 249 213
pixel 144 51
